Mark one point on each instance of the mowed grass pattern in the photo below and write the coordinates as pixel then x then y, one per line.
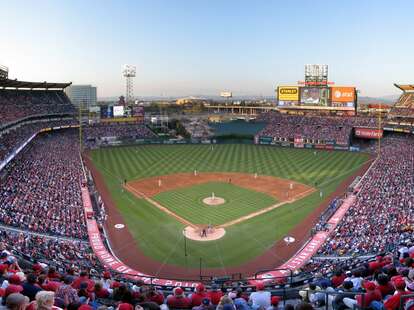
pixel 188 202
pixel 160 236
pixel 297 164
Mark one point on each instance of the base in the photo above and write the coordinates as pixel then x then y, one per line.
pixel 212 234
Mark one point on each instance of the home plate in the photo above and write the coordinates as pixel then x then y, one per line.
pixel 119 226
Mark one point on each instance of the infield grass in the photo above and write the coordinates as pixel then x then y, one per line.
pixel 160 236
pixel 188 202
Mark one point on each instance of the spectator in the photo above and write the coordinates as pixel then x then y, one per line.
pixel 198 295
pixel 178 300
pixel 30 289
pixel 260 298
pixel 67 292
pixel 17 301
pixel 215 294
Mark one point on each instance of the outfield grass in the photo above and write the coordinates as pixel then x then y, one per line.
pixel 160 236
pixel 188 202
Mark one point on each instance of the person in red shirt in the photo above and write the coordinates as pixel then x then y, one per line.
pixel 100 292
pixel 215 294
pixel 83 277
pixel 178 299
pixel 338 278
pixel 384 285
pixel 154 296
pixel 47 284
pixel 197 297
pixel 393 302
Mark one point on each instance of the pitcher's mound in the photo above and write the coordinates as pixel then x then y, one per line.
pixel 210 201
pixel 212 233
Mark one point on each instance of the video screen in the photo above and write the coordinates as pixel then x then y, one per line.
pixel 314 96
pixel 118 111
pixel 107 111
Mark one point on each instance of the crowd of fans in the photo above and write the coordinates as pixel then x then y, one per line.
pixel 15 137
pixel 57 252
pixel 17 104
pixel 385 282
pixel 119 130
pixel 401 112
pixel 41 191
pixel 383 213
pixel 312 129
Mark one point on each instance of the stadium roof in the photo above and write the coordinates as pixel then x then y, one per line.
pixel 7 83
pixel 409 87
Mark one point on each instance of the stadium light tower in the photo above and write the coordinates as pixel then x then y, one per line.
pixel 129 72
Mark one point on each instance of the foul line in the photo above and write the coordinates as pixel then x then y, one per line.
pixel 265 210
pixel 159 206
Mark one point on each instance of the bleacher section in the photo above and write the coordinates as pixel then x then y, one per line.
pixel 404 107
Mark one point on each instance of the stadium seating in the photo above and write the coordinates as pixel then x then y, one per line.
pixel 13 138
pixel 41 191
pixel 313 128
pixel 404 107
pixel 18 104
pixel 120 130
pixel 383 214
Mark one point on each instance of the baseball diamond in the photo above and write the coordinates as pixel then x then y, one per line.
pixel 163 195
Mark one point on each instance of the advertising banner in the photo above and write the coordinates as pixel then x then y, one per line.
pixel 368 133
pixel 342 94
pixel 288 93
pixel 298 142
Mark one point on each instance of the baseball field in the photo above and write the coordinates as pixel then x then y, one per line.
pixel 267 193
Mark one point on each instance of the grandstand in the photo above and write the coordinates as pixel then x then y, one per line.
pixel 404 107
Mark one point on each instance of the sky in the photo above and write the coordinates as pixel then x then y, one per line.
pixel 202 47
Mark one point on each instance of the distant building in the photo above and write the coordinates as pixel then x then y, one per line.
pixel 85 94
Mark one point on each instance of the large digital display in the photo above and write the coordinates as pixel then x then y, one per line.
pixel 314 96
pixel 107 111
pixel 118 111
pixel 311 97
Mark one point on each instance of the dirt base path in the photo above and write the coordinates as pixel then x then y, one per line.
pixel 281 189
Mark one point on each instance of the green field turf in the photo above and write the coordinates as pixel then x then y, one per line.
pixel 160 236
pixel 188 202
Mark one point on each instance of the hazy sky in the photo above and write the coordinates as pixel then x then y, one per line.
pixel 205 46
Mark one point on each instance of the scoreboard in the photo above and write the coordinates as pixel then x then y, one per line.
pixel 312 97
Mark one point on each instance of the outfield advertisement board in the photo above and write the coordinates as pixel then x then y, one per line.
pixel 368 133
pixel 298 142
pixel 343 97
pixel 288 95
